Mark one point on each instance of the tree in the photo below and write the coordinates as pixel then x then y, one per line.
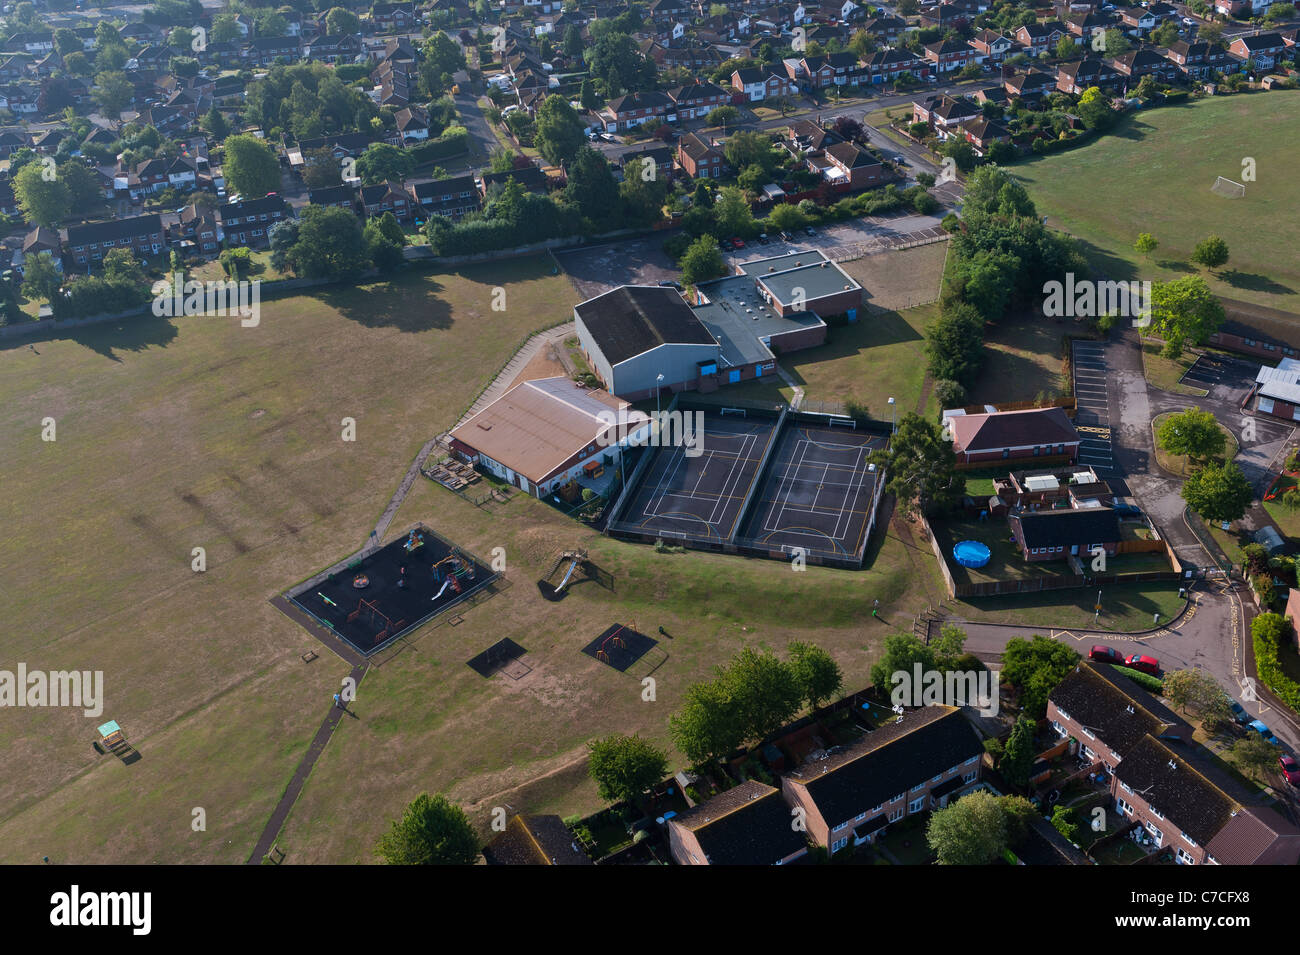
pixel 1146 243
pixel 624 767
pixel 224 28
pixel 340 20
pixel 1034 667
pixel 765 690
pixel 432 831
pixel 112 91
pixel 1117 43
pixel 1254 756
pixel 384 162
pixel 950 394
pixel 78 64
pixel 970 831
pixel 282 236
pixel 702 261
pixel 921 466
pixel 1166 34
pixel 573 44
pixel 708 725
pixel 723 116
pixel 83 185
pixel 786 218
pixel 816 673
pixel 43 199
pixel 748 148
pixel 587 92
pixel 1063 821
pixel 1018 759
pixel 215 124
pixel 732 213
pixel 1194 433
pixel 1218 492
pixel 250 166
pixel 643 191
pixel 1187 307
pixel 1210 252
pixel 961 152
pixel 592 189
pixel 560 133
pixel 955 344
pixel 330 244
pixel 616 59
pixel 1067 49
pixel 41 277
pixel 443 58
pixel 902 653
pixel 1197 690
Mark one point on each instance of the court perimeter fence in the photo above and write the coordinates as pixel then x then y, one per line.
pixel 780 414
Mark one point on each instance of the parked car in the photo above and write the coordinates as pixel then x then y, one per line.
pixel 1290 769
pixel 1143 664
pixel 737 243
pixel 1260 727
pixel 786 237
pixel 762 238
pixel 810 230
pixel 1106 655
pixel 1189 21
pixel 1239 712
pixel 899 160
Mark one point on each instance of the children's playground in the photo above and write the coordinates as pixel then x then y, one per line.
pixel 372 601
pixel 620 646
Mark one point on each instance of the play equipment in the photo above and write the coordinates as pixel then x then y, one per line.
pixel 457 566
pixel 360 581
pixel 326 599
pixel 376 618
pixel 453 582
pixel 972 554
pixel 414 541
pixel 614 639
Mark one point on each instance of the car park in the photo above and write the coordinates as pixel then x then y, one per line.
pixel 1290 769
pixel 1104 654
pixel 1143 664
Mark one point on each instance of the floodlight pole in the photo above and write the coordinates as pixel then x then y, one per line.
pixel 893 417
pixel 658 386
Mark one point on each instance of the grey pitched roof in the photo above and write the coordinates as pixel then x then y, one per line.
pixel 633 319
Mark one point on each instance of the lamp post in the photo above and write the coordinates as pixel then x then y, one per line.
pixel 893 417
pixel 658 384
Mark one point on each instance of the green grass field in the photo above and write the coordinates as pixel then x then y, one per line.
pixel 1153 173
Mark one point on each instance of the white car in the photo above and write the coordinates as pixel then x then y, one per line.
pixel 1189 21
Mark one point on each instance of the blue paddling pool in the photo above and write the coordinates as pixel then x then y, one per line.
pixel 971 554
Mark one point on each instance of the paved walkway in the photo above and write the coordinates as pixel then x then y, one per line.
pixel 292 791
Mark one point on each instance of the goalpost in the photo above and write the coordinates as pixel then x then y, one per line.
pixel 1228 189
pixel 833 420
pixel 739 411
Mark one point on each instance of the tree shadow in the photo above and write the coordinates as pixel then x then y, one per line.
pixel 393 303
pixel 1175 266
pixel 1105 262
pixel 107 338
pixel 1254 282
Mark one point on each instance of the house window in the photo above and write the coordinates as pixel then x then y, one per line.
pixel 1183 857
pixel 916 805
pixel 968 777
pixel 1156 834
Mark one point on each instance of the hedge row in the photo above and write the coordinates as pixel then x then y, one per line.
pixel 1144 680
pixel 1267 633
pixel 453 142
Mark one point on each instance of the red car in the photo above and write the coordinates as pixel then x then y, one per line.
pixel 1290 769
pixel 1143 664
pixel 1106 655
pixel 737 243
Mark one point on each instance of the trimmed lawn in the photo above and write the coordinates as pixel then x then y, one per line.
pixel 1178 464
pixel 1022 360
pixel 1153 173
pixel 1164 372
pixel 880 356
pixel 902 278
pixel 1125 607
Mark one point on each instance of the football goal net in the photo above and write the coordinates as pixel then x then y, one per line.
pixel 1228 189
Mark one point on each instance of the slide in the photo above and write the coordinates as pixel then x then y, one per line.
pixel 445 584
pixel 567 575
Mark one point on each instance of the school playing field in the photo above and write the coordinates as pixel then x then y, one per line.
pixel 1153 173
pixel 198 433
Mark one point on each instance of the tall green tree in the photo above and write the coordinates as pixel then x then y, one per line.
pixel 560 132
pixel 1210 252
pixel 624 767
pixel 591 187
pixel 1194 433
pixel 384 162
pixel 1035 667
pixel 1018 758
pixel 702 261
pixel 330 244
pixel 921 466
pixel 41 277
pixel 816 673
pixel 43 198
pixel 1218 492
pixel 112 92
pixel 1187 308
pixel 732 213
pixel 970 831
pixel 250 166
pixel 432 831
